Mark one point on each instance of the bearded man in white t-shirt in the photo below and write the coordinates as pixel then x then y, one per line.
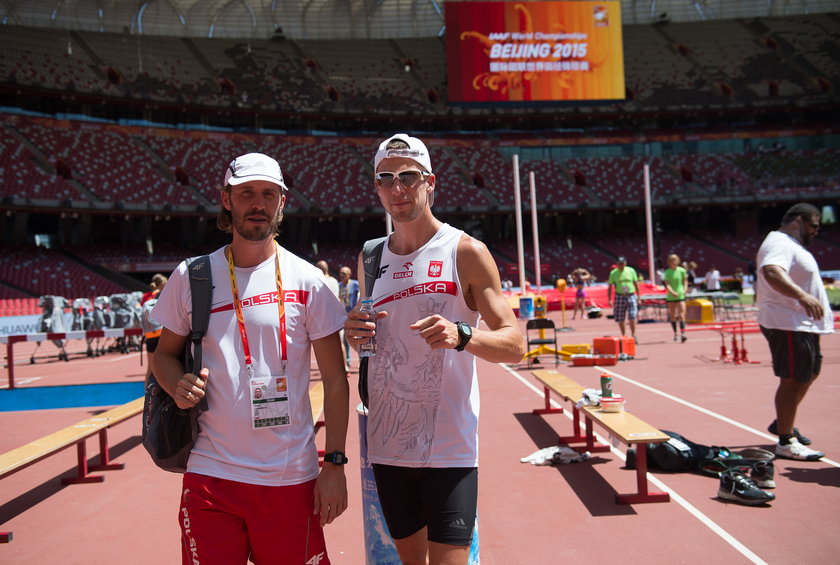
pixel 793 312
pixel 253 489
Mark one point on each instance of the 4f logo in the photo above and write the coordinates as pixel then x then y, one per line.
pixel 435 268
pixel 316 559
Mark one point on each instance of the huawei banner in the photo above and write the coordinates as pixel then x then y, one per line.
pixel 520 52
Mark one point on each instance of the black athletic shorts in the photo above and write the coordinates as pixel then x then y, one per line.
pixel 443 500
pixel 795 354
pixel 151 344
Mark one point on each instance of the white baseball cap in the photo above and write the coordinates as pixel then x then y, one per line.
pixel 254 166
pixel 416 151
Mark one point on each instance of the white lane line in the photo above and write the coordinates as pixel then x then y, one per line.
pixel 700 409
pixel 708 522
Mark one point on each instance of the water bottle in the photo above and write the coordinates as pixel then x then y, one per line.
pixel 368 348
pixel 606 386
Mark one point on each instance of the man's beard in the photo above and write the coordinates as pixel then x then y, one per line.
pixel 258 232
pixel 806 237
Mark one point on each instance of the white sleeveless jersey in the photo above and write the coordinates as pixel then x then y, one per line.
pixel 424 403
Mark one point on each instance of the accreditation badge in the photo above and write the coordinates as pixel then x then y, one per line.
pixel 269 402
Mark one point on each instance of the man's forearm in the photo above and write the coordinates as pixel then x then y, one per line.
pixel 168 369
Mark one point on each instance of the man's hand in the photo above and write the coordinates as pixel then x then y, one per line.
pixel 358 329
pixel 812 306
pixel 438 332
pixel 330 493
pixel 191 389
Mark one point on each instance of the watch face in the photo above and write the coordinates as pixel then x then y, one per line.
pixel 336 458
pixel 465 333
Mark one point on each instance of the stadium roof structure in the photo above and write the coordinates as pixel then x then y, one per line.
pixel 334 19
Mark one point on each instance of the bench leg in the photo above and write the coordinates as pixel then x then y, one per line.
pixel 641 483
pixel 549 409
pixel 588 437
pixel 82 475
pixel 105 455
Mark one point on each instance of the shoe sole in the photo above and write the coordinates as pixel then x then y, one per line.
pixel 765 484
pixel 814 457
pixel 726 495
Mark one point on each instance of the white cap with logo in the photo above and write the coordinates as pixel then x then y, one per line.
pixel 416 151
pixel 254 166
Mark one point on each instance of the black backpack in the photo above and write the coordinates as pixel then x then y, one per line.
pixel 371 256
pixel 676 454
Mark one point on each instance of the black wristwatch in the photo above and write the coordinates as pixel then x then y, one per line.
pixel 336 458
pixel 464 333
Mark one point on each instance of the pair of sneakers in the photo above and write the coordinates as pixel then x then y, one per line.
pixel 738 487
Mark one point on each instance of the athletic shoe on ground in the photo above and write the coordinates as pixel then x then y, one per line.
pixel 684 339
pixel 676 338
pixel 795 450
pixel 773 429
pixel 762 473
pixel 738 487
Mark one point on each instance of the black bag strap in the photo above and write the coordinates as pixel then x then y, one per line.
pixel 201 288
pixel 371 257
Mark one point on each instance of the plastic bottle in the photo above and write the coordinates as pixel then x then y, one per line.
pixel 368 349
pixel 606 385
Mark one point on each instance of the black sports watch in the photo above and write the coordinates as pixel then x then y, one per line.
pixel 336 458
pixel 465 333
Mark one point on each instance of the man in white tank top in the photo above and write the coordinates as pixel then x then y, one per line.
pixel 435 282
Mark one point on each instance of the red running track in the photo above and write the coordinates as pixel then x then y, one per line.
pixel 527 514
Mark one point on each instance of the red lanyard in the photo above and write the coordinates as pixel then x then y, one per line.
pixel 237 305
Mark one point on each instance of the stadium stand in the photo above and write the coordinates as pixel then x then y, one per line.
pixel 321 104
pixel 43 271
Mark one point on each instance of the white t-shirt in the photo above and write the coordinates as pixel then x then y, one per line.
pixel 424 403
pixel 333 284
pixel 781 312
pixel 713 280
pixel 227 446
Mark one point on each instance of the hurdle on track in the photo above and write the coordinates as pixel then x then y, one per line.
pixel 11 340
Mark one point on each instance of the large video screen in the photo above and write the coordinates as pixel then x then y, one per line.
pixel 523 52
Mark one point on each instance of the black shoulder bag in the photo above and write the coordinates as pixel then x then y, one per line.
pixel 169 433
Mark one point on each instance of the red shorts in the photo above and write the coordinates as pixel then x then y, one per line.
pixel 226 523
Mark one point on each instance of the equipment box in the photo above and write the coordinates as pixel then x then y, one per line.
pixel 583 360
pixel 627 345
pixel 605 359
pixel 699 311
pixel 609 345
pixel 569 349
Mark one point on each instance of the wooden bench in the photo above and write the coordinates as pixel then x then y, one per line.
pixel 622 425
pixel 26 455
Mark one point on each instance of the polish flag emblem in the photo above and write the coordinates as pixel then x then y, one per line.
pixel 435 268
